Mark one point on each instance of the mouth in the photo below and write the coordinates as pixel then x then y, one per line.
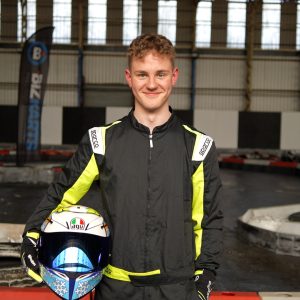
pixel 151 95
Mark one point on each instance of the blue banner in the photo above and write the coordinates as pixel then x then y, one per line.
pixel 32 85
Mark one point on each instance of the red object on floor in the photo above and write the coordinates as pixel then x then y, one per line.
pixel 41 293
pixel 234 296
pixel 30 293
pixel 284 164
pixel 233 160
pixel 4 152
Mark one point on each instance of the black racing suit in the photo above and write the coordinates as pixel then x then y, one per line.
pixel 160 193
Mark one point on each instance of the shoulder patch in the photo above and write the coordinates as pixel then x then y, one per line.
pixel 202 144
pixel 96 140
pixel 202 147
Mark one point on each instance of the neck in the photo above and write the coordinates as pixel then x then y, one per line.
pixel 152 119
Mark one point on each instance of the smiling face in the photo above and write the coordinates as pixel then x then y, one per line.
pixel 151 79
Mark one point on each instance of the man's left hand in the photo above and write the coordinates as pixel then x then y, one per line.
pixel 204 284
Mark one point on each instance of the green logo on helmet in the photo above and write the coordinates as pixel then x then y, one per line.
pixel 77 223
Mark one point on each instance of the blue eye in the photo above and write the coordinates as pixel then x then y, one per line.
pixel 141 75
pixel 161 74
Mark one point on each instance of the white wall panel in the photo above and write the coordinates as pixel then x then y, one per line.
pixel 184 66
pixel 61 98
pixel 62 68
pixel 67 97
pixel 8 95
pixel 225 72
pixel 275 103
pixel 220 83
pixel 220 79
pixel 180 99
pixel 222 126
pixel 116 113
pixel 276 74
pixel 220 102
pixel 10 66
pixel 62 72
pixel 290 131
pixel 52 126
pixel 104 69
pixel 111 69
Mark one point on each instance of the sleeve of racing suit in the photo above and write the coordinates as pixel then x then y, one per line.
pixel 209 218
pixel 72 184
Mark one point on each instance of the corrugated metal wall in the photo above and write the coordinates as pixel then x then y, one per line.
pixel 103 68
pixel 9 76
pixel 276 83
pixel 180 99
pixel 220 74
pixel 62 79
pixel 220 80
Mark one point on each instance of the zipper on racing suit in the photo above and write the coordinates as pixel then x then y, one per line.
pixel 146 262
pixel 151 143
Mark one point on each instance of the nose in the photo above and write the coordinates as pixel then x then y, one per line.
pixel 151 84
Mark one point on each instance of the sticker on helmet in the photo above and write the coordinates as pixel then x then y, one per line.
pixel 77 223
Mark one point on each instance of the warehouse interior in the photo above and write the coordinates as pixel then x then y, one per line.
pixel 239 82
pixel 243 62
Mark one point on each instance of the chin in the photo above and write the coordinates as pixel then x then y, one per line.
pixel 153 108
pixel 152 105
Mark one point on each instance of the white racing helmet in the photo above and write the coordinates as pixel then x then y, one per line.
pixel 73 250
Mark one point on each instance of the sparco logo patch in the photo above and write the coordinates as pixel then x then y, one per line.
pixel 77 223
pixel 94 138
pixel 205 146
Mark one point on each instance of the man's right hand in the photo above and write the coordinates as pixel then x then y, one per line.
pixel 29 255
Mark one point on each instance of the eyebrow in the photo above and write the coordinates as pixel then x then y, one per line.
pixel 158 71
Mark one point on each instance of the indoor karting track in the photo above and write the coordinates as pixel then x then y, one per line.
pixel 245 267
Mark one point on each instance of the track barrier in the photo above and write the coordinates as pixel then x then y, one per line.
pixel 234 296
pixel 280 295
pixel 43 293
pixel 30 293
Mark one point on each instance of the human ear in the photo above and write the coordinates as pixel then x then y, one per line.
pixel 175 75
pixel 128 77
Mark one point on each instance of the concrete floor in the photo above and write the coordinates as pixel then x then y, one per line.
pixel 245 267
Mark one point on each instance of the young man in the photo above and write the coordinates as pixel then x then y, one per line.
pixel 160 185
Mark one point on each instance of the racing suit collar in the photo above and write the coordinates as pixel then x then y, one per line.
pixel 144 128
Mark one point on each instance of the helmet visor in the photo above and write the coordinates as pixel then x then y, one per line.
pixel 73 252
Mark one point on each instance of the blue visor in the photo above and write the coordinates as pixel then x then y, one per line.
pixel 72 259
pixel 73 252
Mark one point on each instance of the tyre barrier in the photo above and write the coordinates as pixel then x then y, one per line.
pixel 272 228
pixel 31 293
pixel 43 173
pixel 269 164
pixel 42 293
pixel 279 295
pixel 255 296
pixel 234 296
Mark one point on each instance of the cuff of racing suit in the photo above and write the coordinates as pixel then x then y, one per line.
pixel 34 233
